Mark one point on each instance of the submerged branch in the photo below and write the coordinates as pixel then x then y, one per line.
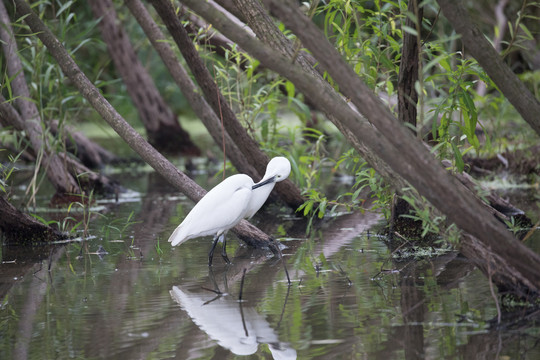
pixel 20 228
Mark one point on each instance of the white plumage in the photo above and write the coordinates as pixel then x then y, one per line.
pixel 202 219
pixel 235 198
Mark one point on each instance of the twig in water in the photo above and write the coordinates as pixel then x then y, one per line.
pixel 283 308
pixel 242 284
pixel 240 302
pixel 283 261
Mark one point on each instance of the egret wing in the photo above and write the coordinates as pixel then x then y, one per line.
pixel 219 210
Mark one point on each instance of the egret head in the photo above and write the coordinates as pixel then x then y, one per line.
pixel 278 169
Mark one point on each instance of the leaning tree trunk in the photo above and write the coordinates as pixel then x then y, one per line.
pixel 407 156
pixel 190 91
pixel 244 230
pixel 247 145
pixel 162 127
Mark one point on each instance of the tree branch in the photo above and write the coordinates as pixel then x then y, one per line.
pixel 248 146
pixel 244 230
pixel 199 105
pixel 398 147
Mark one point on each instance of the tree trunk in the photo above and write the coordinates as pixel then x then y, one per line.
pixel 408 68
pixel 407 156
pixel 91 154
pixel 407 113
pixel 19 228
pixel 198 104
pixel 246 231
pixel 481 49
pixel 249 148
pixel 162 127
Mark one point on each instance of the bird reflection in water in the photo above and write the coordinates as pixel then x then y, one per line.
pixel 235 326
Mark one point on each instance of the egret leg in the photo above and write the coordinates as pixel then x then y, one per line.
pixel 211 253
pixel 224 250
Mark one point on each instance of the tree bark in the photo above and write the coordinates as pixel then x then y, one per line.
pixel 398 148
pixel 19 228
pixel 482 50
pixel 162 127
pixel 408 69
pixel 246 231
pixel 288 192
pixel 407 111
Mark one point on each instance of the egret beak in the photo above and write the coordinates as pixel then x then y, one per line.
pixel 262 183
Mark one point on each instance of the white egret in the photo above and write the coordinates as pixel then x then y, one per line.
pixel 235 198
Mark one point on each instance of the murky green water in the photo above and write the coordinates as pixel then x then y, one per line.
pixel 125 294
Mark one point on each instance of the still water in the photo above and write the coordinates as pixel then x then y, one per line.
pixel 124 293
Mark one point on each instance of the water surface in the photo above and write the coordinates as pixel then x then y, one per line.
pixel 124 293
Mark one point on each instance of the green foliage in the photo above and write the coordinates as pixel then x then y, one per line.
pixel 366 183
pixel 73 25
pixel 454 116
pixel 117 225
pixel 422 212
pixel 520 35
pixel 369 36
pixel 6 170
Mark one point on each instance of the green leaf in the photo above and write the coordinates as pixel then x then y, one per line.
pixel 289 87
pixel 64 7
pixel 460 165
pixel 528 34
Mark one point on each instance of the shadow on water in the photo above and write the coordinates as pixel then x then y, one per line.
pixel 138 298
